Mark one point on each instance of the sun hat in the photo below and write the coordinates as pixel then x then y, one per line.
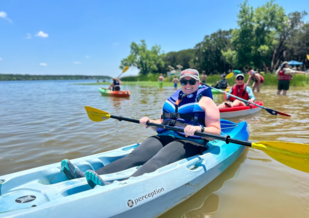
pixel 285 62
pixel 190 73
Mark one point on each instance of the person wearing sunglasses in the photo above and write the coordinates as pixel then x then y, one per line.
pixel 190 108
pixel 241 90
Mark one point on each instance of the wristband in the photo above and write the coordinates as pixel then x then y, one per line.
pixel 202 128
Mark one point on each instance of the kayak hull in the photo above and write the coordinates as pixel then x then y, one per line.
pixel 240 110
pixel 47 192
pixel 107 92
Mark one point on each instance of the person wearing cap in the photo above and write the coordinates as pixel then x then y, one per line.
pixel 241 90
pixel 256 78
pixel 285 75
pixel 204 77
pixel 222 84
pixel 190 108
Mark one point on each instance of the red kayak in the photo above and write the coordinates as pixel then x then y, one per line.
pixel 239 110
pixel 107 92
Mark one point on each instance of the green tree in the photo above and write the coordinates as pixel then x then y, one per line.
pixel 182 58
pixel 208 53
pixel 147 61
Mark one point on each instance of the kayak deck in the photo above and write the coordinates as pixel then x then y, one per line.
pixel 46 190
pixel 107 92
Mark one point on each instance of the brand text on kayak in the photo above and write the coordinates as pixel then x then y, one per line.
pixel 149 195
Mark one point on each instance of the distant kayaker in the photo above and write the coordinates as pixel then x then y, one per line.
pixel 222 84
pixel 115 86
pixel 285 75
pixel 241 90
pixel 175 81
pixel 191 108
pixel 257 80
pixel 204 77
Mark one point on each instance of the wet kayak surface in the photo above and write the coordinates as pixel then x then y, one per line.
pixel 43 122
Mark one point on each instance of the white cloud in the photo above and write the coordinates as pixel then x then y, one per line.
pixel 43 64
pixel 87 56
pixel 76 62
pixel 115 44
pixel 42 34
pixel 4 16
pixel 28 36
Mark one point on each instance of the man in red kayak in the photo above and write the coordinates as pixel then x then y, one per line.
pixel 115 86
pixel 191 108
pixel 241 90
pixel 257 80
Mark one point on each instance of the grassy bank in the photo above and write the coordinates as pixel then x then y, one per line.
pixel 269 80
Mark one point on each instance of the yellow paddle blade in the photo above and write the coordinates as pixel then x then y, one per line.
pixel 298 163
pixel 308 57
pixel 125 69
pixel 230 75
pixel 288 148
pixel 294 155
pixel 97 115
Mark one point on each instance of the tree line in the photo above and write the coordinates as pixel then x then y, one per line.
pixel 20 77
pixel 265 37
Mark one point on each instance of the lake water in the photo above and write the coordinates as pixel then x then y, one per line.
pixel 43 122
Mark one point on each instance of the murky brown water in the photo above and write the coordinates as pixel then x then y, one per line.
pixel 43 122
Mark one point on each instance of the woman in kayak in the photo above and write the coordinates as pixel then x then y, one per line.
pixel 115 86
pixel 241 90
pixel 257 80
pixel 191 108
pixel 222 84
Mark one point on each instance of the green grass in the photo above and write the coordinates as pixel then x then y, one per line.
pixel 269 80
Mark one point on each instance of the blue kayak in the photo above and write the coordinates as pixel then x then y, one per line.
pixel 46 192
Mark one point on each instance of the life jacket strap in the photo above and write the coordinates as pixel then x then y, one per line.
pixel 195 118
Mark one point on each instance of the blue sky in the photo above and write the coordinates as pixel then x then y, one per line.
pixel 91 37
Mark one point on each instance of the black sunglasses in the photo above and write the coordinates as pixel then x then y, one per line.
pixel 240 78
pixel 184 82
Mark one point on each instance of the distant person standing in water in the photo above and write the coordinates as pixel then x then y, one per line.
pixel 204 77
pixel 285 75
pixel 257 80
pixel 161 79
pixel 175 81
pixel 115 86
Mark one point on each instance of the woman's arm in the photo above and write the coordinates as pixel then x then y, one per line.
pixel 212 119
pixel 249 79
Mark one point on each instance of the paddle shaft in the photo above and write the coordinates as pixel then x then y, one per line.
pixel 227 139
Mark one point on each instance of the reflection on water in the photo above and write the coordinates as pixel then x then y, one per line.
pixel 207 210
pixel 43 122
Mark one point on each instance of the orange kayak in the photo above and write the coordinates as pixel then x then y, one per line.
pixel 122 93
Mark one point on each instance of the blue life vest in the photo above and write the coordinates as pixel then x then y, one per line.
pixel 188 112
pixel 116 83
